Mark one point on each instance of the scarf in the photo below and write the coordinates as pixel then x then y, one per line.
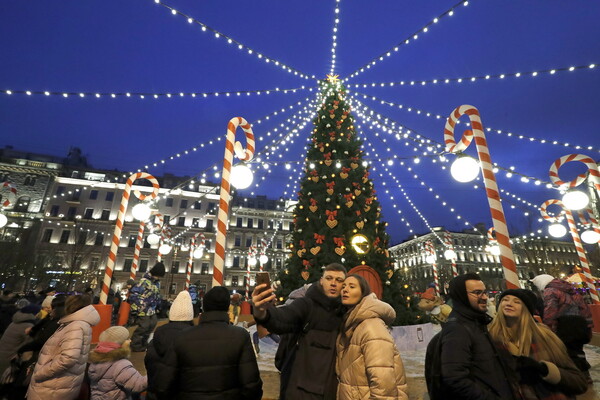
pixel 105 347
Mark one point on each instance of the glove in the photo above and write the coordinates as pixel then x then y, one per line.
pixel 530 370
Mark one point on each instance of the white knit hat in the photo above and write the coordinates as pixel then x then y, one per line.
pixel 541 281
pixel 47 303
pixel 115 334
pixel 182 308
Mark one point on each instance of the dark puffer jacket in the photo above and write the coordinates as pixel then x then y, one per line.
pixel 313 370
pixel 472 367
pixel 211 361
pixel 158 349
pixel 113 377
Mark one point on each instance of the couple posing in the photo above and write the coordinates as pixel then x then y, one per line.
pixel 341 339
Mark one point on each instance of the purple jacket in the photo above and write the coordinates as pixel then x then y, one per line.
pixel 561 299
pixel 113 377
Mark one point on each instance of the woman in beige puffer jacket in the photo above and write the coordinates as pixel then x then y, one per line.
pixel 60 367
pixel 368 363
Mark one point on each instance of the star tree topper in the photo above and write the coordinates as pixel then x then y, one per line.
pixel 333 78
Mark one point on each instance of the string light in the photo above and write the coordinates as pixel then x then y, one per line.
pixel 479 78
pixel 234 43
pixel 414 36
pixel 334 36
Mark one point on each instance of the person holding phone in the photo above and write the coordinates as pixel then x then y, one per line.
pixel 315 320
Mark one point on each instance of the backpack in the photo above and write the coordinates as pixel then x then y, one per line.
pixel 433 367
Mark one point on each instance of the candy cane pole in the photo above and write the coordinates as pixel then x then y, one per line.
pixel 593 173
pixel 165 233
pixel 222 220
pixel 114 247
pixel 12 190
pixel 250 255
pixel 138 248
pixel 493 194
pixel 576 240
pixel 188 276
pixel 589 220
pixel 450 246
pixel 430 250
pixel 263 252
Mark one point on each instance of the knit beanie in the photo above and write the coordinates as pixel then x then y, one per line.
pixel 182 308
pixel 115 334
pixel 30 309
pixel 541 281
pixel 457 289
pixel 216 299
pixel 158 270
pixel 526 296
pixel 47 301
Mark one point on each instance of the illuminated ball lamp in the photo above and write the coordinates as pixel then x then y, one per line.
pixel 360 244
pixel 3 220
pixel 494 249
pixel 590 237
pixel 575 200
pixel 198 253
pixel 252 261
pixel 141 212
pixel 241 176
pixel 430 259
pixel 164 249
pixel 464 169
pixel 153 239
pixel 263 259
pixel 450 254
pixel 557 230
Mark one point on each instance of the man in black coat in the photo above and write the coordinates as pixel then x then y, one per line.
pixel 213 360
pixel 316 318
pixel 472 367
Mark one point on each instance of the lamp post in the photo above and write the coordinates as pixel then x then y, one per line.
pixel 114 247
pixel 231 146
pixel 576 241
pixel 493 195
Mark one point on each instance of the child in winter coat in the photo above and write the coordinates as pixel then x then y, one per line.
pixel 112 376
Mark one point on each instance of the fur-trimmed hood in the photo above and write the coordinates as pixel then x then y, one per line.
pixel 112 356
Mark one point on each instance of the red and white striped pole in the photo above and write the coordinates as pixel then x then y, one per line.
pixel 251 254
pixel 12 190
pixel 593 173
pixel 138 248
pixel 188 276
pixel 589 220
pixel 430 250
pixel 222 220
pixel 263 252
pixel 165 233
pixel 576 240
pixel 450 246
pixel 493 194
pixel 114 247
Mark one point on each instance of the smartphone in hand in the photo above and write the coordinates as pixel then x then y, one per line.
pixel 263 277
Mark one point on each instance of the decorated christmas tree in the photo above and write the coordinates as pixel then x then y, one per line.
pixel 338 217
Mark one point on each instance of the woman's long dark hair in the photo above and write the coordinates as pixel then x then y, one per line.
pixel 365 289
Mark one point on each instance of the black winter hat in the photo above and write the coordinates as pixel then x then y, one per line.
pixel 457 289
pixel 216 299
pixel 526 296
pixel 158 270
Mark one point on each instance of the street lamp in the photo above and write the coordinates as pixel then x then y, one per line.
pixel 590 236
pixel 575 200
pixel 464 168
pixel 141 212
pixel 3 220
pixel 557 230
pixel 241 176
pixel 164 249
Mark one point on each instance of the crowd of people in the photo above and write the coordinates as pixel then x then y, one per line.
pixel 334 343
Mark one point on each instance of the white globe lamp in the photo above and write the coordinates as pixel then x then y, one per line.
pixel 164 249
pixel 590 237
pixel 153 239
pixel 430 259
pixel 557 230
pixel 252 261
pixel 464 169
pixel 263 259
pixel 450 254
pixel 495 250
pixel 3 220
pixel 141 212
pixel 575 200
pixel 198 253
pixel 241 176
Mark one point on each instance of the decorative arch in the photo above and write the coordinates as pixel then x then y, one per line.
pixel 371 276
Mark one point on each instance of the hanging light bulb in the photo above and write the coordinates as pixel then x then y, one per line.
pixel 557 230
pixel 575 200
pixel 252 261
pixel 464 169
pixel 590 236
pixel 199 252
pixel 141 212
pixel 3 220
pixel 153 239
pixel 450 254
pixel 263 259
pixel 164 249
pixel 430 259
pixel 494 249
pixel 241 176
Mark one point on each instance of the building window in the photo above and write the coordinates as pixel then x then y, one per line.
pixel 29 180
pixel 270 224
pixel 279 243
pixel 249 241
pixel 175 267
pixel 94 263
pixel 93 194
pixel 47 235
pixel 196 222
pixel 209 225
pixel 143 266
pixel 169 202
pixel 166 219
pixel 250 223
pixel 204 270
pixel 76 195
pixel 239 222
pixel 197 205
pixel 207 245
pixel 127 264
pixel 22 204
pixel 237 242
pixel 110 196
pixel 181 221
pixel 146 244
pixel 64 236
pixel 99 239
pixel 261 224
pixel 183 204
pixel 105 215
pixel 234 280
pixel 3 177
pixel 89 212
pixel 82 238
pixel 60 190
pixel 54 211
pixel 211 209
pixel 71 213
pixel 278 263
pixel 132 240
pixel 236 261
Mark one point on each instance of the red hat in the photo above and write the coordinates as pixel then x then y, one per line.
pixel 429 294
